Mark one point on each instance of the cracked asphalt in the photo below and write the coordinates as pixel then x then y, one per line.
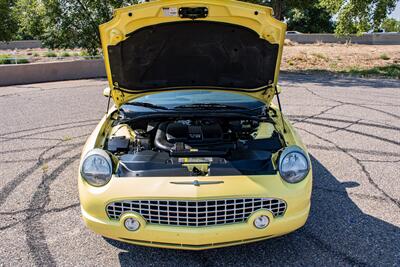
pixel 350 125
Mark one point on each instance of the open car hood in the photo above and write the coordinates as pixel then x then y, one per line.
pixel 180 45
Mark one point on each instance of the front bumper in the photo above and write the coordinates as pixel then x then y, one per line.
pixel 94 201
pixel 196 238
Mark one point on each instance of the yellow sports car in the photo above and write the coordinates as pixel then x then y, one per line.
pixel 193 154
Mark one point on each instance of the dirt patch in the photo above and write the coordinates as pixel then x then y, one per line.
pixel 338 57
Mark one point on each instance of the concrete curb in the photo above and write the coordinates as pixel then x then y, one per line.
pixel 53 71
pixel 20 44
pixel 368 39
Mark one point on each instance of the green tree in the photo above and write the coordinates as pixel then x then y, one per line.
pixel 74 23
pixel 357 16
pixel 282 7
pixel 30 15
pixel 391 25
pixel 313 19
pixel 300 15
pixel 353 16
pixel 8 23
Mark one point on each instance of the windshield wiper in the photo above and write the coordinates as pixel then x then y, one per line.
pixel 146 105
pixel 210 106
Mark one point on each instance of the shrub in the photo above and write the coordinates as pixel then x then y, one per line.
pixel 320 56
pixel 8 59
pixel 50 54
pixel 22 61
pixel 84 53
pixel 384 56
pixel 390 71
pixel 65 54
pixel 5 59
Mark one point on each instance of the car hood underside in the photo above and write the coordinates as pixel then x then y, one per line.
pixel 193 53
pixel 150 53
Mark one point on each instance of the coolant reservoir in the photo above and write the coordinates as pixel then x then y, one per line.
pixel 265 130
pixel 122 130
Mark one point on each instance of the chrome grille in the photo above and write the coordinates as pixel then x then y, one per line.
pixel 196 213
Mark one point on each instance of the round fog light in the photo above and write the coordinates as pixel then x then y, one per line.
pixel 132 224
pixel 261 222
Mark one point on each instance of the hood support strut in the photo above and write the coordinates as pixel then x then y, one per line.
pixel 108 103
pixel 280 108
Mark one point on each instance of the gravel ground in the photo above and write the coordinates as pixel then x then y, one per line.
pixel 351 127
pixel 338 57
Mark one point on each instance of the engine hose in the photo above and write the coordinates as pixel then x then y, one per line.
pixel 160 140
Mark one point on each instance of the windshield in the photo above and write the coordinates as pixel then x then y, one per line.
pixel 175 99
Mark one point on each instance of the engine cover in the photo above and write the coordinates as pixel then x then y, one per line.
pixel 189 132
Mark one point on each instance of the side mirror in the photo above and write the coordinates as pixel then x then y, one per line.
pixel 107 92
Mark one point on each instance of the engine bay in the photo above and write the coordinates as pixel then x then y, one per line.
pixel 193 146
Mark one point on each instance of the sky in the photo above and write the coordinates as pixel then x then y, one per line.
pixel 396 13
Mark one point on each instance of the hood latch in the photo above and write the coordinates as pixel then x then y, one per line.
pixel 193 12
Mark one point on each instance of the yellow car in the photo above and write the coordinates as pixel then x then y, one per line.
pixel 193 154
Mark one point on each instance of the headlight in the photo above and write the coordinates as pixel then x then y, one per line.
pixel 293 164
pixel 97 167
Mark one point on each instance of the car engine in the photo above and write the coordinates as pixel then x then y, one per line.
pixel 192 146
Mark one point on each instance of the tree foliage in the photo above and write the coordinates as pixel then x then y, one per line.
pixel 352 16
pixel 312 19
pixel 65 23
pixel 31 16
pixel 8 23
pixel 357 16
pixel 74 23
pixel 282 7
pixel 300 15
pixel 391 25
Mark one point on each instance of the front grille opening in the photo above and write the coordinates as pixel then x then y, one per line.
pixel 196 213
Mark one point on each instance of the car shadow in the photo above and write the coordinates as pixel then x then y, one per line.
pixel 337 232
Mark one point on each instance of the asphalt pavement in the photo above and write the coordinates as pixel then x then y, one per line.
pixel 350 125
